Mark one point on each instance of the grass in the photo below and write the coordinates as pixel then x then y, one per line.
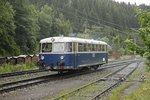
pixel 129 57
pixel 19 67
pixel 117 93
pixel 140 93
pixel 87 91
pixel 124 57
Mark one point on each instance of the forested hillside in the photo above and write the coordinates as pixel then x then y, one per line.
pixel 24 22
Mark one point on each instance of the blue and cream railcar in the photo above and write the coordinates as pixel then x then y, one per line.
pixel 70 53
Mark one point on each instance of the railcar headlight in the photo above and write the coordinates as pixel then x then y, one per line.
pixel 42 57
pixel 62 57
pixel 103 59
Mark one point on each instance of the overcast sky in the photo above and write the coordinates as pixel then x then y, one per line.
pixel 147 2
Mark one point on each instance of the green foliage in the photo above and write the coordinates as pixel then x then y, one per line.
pixel 45 21
pixel 14 68
pixel 62 27
pixel 142 93
pixel 26 25
pixel 144 20
pixel 7 29
pixel 132 47
pixel 96 12
pixel 136 90
pixel 117 94
pixel 24 22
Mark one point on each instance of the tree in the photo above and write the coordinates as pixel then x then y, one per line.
pixel 26 26
pixel 132 47
pixel 62 26
pixel 31 20
pixel 7 30
pixel 45 21
pixel 144 21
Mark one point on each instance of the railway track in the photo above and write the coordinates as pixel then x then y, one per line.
pixel 37 71
pixel 79 93
pixel 21 73
pixel 97 97
pixel 6 87
pixel 17 76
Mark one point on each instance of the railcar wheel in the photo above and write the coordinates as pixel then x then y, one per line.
pixel 60 72
pixel 96 67
pixel 40 64
pixel 42 68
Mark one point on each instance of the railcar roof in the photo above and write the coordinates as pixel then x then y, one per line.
pixel 71 39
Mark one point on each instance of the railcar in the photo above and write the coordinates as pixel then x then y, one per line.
pixel 71 53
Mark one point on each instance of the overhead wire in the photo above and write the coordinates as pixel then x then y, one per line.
pixel 61 9
pixel 83 18
pixel 121 27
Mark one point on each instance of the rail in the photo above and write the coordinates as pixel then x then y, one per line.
pixel 97 81
pixel 33 81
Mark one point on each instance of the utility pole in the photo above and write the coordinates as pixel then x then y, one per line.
pixel 134 48
pixel 134 40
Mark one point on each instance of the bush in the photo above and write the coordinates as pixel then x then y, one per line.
pixel 19 67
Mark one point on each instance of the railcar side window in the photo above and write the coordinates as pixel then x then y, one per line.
pixel 103 48
pixel 80 47
pixel 93 49
pixel 88 47
pixel 84 47
pixel 97 47
pixel 100 48
pixel 74 46
pixel 47 47
pixel 68 47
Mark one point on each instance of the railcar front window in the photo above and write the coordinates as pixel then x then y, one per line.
pixel 47 47
pixel 58 47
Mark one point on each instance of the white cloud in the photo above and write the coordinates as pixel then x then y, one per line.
pixel 138 2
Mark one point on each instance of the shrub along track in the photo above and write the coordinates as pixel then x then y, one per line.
pixel 96 89
pixel 6 87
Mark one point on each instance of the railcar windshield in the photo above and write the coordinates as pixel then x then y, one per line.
pixel 53 47
pixel 47 47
